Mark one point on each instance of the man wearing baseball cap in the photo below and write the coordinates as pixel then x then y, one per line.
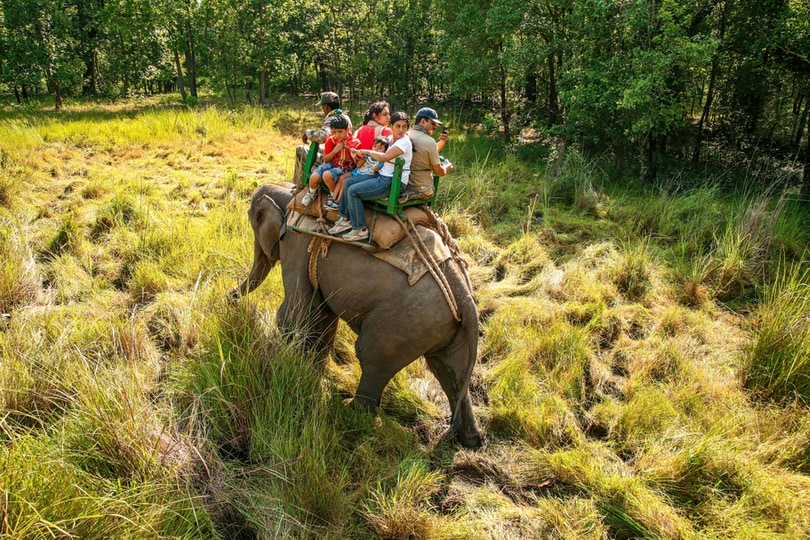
pixel 426 160
pixel 330 107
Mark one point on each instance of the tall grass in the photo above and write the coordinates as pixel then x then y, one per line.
pixel 777 363
pixel 18 280
pixel 621 397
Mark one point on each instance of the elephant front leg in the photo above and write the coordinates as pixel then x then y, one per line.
pixel 313 327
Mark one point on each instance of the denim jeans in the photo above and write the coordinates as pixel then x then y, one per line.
pixel 343 205
pixel 324 167
pixel 363 188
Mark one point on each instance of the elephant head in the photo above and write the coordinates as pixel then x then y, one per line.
pixel 267 219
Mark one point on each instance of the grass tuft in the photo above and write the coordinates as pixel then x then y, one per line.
pixel 777 363
pixel 18 282
pixel 632 273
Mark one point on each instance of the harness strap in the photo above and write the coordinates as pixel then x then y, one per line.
pixel 431 264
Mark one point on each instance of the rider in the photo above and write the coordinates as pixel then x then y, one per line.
pixel 426 161
pixel 330 107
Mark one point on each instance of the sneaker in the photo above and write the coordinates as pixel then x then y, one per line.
pixel 331 204
pixel 356 234
pixel 309 196
pixel 410 195
pixel 341 226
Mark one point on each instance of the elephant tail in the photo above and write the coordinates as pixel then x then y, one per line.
pixel 469 327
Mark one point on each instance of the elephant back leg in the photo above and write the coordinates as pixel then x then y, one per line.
pixel 452 369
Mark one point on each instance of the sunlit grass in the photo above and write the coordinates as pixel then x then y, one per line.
pixel 620 395
pixel 777 363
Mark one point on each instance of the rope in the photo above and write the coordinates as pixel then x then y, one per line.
pixel 438 225
pixel 312 267
pixel 317 244
pixel 431 264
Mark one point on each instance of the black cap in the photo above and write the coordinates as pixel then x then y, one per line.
pixel 430 114
pixel 329 98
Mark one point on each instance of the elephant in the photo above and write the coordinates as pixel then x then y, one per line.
pixel 395 322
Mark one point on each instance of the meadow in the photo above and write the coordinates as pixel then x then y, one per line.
pixel 644 362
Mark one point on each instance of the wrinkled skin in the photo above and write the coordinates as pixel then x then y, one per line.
pixel 395 323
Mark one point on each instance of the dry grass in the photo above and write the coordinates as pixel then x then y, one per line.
pixel 609 382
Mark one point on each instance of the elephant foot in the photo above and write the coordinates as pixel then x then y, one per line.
pixel 234 295
pixel 363 406
pixel 472 440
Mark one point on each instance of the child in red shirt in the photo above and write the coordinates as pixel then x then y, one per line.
pixel 337 158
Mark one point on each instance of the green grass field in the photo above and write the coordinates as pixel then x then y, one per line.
pixel 643 367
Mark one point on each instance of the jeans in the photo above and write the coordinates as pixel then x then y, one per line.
pixel 343 209
pixel 328 167
pixel 368 188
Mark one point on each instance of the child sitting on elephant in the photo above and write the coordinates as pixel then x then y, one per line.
pixel 337 158
pixel 367 166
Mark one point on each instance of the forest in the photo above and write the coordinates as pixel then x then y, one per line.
pixel 644 85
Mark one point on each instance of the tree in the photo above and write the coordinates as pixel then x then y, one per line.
pixel 136 43
pixel 89 25
pixel 546 22
pixel 478 42
pixel 631 70
pixel 42 45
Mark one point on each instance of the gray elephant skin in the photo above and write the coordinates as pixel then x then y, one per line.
pixel 395 323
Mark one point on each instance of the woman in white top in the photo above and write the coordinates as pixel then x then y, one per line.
pixel 372 187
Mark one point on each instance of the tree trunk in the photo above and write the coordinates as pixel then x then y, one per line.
pixel 806 173
pixel 707 107
pixel 531 87
pixel 648 164
pixel 507 135
pixel 262 82
pixel 191 60
pixel 54 86
pixel 90 86
pixel 88 35
pixel 797 143
pixel 17 95
pixel 619 151
pixel 57 89
pixel 179 67
pixel 553 101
